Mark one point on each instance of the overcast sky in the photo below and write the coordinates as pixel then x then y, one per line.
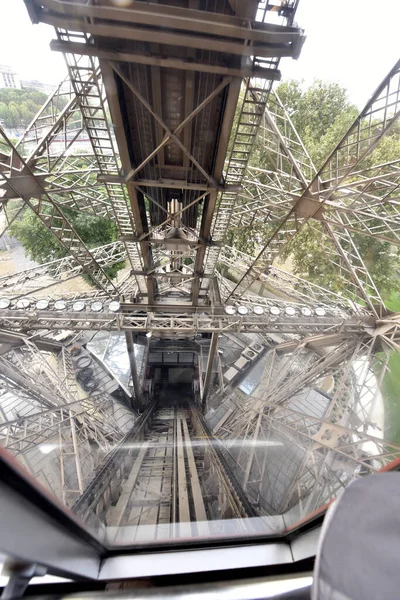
pixel 353 42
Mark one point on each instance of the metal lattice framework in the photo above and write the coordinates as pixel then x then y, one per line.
pixel 60 438
pixel 345 196
pixel 156 135
pixel 281 427
pixel 31 280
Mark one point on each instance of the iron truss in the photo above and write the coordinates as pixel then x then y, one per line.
pixel 346 196
pixel 162 190
pixel 328 449
pixel 45 416
pixel 79 314
pixel 172 254
pixel 142 132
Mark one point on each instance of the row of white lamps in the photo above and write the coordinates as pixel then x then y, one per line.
pixel 290 311
pixel 77 306
pixel 114 306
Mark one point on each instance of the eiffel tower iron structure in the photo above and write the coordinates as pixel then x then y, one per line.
pixel 153 128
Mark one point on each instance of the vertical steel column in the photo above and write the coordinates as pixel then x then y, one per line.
pixel 210 363
pixel 76 453
pixel 137 402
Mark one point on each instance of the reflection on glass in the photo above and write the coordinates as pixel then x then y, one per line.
pixel 263 456
pixel 218 394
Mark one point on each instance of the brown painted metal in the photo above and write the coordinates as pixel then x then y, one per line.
pixel 172 106
pixel 171 63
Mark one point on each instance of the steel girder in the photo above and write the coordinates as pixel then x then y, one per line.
pixel 59 438
pixel 345 197
pixel 276 422
pixel 135 317
pixel 90 42
pixel 18 180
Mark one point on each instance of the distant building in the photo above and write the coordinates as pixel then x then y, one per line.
pixel 39 86
pixel 9 78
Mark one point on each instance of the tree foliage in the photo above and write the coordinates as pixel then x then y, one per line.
pixel 42 246
pixel 18 107
pixel 322 114
pixel 311 262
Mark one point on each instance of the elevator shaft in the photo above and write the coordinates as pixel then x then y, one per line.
pixel 167 479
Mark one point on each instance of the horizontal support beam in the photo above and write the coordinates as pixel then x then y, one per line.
pixel 234 20
pixel 169 241
pixel 182 185
pixel 182 40
pixel 172 275
pixel 161 307
pixel 169 63
pixel 184 324
pixel 174 184
pixel 188 20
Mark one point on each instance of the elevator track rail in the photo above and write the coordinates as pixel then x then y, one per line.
pixel 168 478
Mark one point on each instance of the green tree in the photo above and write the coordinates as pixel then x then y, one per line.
pixel 321 115
pixel 18 107
pixel 310 262
pixel 4 113
pixel 42 246
pixel 14 116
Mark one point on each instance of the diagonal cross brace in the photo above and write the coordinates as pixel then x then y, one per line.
pixel 65 232
pixel 171 135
